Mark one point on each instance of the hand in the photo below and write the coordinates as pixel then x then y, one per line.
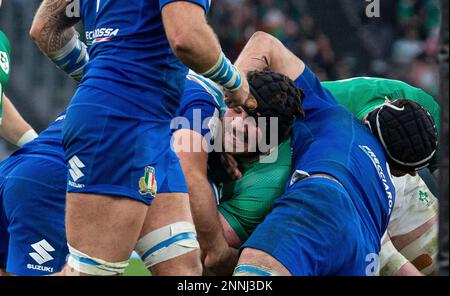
pixel 230 165
pixel 239 97
pixel 221 262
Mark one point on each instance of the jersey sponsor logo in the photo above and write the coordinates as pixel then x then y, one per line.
pixel 40 268
pixel 4 62
pixel 425 198
pixel 42 249
pixel 101 35
pixel 381 174
pixel 147 184
pixel 75 168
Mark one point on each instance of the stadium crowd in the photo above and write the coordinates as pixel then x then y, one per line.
pixel 411 40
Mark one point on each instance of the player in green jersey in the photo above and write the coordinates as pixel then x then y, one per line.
pixel 246 201
pixel 413 224
pixel 13 127
pixel 363 95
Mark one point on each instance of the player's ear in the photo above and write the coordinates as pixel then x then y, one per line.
pixel 413 173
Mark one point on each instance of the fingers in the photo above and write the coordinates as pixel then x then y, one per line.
pixel 231 166
pixel 251 103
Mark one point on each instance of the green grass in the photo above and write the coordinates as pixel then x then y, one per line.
pixel 136 268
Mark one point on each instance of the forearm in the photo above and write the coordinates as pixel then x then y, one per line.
pixel 393 263
pixel 201 196
pixel 54 34
pixel 205 213
pixel 196 45
pixel 408 269
pixel 52 28
pixel 13 126
pixel 264 52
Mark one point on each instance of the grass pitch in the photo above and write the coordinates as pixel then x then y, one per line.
pixel 136 268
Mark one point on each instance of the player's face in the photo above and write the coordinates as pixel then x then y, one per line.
pixel 240 132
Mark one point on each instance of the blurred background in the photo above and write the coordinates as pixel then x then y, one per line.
pixel 335 37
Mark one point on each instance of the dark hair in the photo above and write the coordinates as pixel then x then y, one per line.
pixel 277 96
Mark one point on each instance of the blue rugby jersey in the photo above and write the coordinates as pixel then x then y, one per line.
pixel 48 144
pixel 130 54
pixel 330 140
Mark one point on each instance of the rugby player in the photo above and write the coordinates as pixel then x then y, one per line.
pixel 14 129
pixel 246 212
pixel 33 182
pixel 116 135
pixel 197 138
pixel 245 202
pixel 337 206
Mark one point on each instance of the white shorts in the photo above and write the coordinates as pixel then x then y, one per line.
pixel 414 205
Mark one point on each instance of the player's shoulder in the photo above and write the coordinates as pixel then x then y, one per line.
pixel 203 88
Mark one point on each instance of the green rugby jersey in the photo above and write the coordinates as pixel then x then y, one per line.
pixel 5 51
pixel 362 95
pixel 246 202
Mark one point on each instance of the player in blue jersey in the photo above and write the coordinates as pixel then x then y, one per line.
pixel 196 133
pixel 32 194
pixel 33 243
pixel 116 135
pixel 337 205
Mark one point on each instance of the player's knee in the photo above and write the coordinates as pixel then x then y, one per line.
pixel 3 272
pixel 175 241
pixel 254 270
pixel 80 263
pixel 253 262
pixel 188 264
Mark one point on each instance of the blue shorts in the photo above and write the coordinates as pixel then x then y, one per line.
pixel 115 148
pixel 315 230
pixel 32 230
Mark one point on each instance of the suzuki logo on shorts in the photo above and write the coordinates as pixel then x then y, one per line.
pixel 75 168
pixel 41 255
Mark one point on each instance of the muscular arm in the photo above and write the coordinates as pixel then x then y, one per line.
pixel 52 28
pixel 190 36
pixel 13 126
pixel 231 236
pixel 216 252
pixel 393 263
pixel 265 51
pixel 195 44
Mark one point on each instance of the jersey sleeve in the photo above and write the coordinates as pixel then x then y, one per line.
pixel 197 111
pixel 205 4
pixel 315 94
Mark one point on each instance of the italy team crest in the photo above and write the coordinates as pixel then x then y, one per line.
pixel 147 184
